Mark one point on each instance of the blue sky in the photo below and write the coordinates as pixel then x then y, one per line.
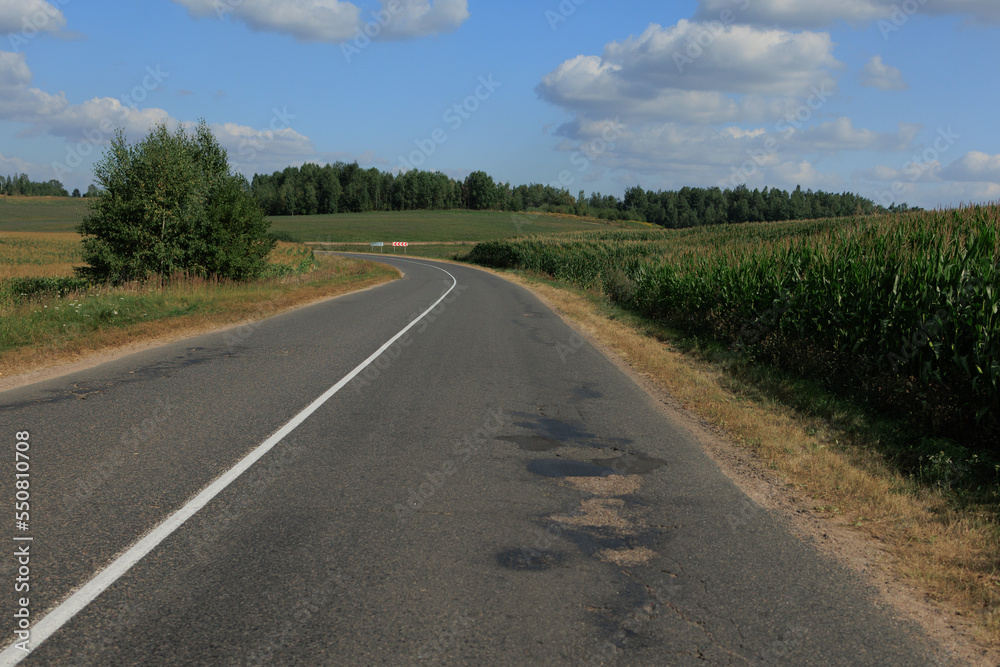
pixel 895 100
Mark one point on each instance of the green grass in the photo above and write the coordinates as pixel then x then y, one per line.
pixel 63 214
pixel 41 214
pixel 57 322
pixel 419 226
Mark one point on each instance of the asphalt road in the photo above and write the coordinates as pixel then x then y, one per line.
pixel 490 490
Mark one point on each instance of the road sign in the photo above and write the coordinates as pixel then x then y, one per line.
pixel 377 244
pixel 400 245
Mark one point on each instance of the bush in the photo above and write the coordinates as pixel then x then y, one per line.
pixel 17 290
pixel 171 204
pixel 283 236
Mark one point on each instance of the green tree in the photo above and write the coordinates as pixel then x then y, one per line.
pixel 480 191
pixel 170 204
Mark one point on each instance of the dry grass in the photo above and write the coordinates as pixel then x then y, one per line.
pixel 53 332
pixel 39 254
pixel 948 552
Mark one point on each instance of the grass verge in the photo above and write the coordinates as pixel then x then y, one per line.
pixel 941 543
pixel 46 332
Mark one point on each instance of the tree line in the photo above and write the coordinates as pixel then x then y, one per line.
pixel 347 188
pixel 20 185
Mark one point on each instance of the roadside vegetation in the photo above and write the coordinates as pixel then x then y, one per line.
pixel 900 311
pixel 54 316
pixel 858 358
pixel 174 244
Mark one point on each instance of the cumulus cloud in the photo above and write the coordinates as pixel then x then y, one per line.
pixel 876 74
pixel 589 88
pixel 841 135
pixel 18 101
pixel 250 148
pixel 13 165
pixel 743 103
pixel 812 14
pixel 736 59
pixel 792 173
pixel 337 21
pixel 975 167
pixel 695 73
pixel 26 18
pixel 91 124
pixel 912 172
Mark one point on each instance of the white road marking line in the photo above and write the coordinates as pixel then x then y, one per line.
pixel 103 580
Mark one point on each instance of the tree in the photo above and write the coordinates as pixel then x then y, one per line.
pixel 480 191
pixel 169 204
pixel 76 192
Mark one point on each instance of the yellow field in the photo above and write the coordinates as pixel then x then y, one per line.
pixel 54 254
pixel 39 254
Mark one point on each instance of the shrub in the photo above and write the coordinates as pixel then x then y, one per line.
pixel 169 205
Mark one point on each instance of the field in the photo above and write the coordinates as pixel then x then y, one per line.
pixel 898 311
pixel 41 214
pixel 39 254
pixel 61 214
pixel 428 250
pixel 45 310
pixel 424 226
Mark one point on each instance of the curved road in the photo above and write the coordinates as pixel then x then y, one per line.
pixel 488 490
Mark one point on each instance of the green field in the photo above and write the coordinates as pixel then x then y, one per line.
pixel 41 214
pixel 63 214
pixel 419 226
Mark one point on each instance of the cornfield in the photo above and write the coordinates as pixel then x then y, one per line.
pixel 899 310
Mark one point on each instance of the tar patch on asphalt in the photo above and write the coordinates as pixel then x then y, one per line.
pixel 528 559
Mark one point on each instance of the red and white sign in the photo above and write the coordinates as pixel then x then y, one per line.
pixel 400 245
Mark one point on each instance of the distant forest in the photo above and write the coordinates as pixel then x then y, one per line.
pixel 346 188
pixel 22 186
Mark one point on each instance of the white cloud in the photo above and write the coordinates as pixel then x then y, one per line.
pixel 742 74
pixel 46 113
pixel 787 175
pixel 26 18
pixel 733 59
pixel 90 125
pixel 974 167
pixel 876 74
pixel 657 147
pixel 252 150
pixel 825 13
pixel 336 21
pixel 588 88
pixel 841 135
pixel 747 104
pixel 941 195
pixel 18 101
pixel 912 172
pixel 10 166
